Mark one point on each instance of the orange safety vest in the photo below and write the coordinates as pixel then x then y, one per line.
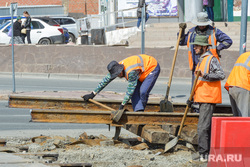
pixel 207 91
pixel 146 64
pixel 240 75
pixel 211 40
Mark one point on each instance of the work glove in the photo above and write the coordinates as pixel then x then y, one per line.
pixel 121 107
pixel 189 103
pixel 183 26
pixel 88 96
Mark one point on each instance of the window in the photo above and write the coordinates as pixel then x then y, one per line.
pixel 36 25
pixel 68 21
pixel 57 20
pixel 3 25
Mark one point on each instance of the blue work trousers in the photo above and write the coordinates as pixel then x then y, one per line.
pixel 142 90
pixel 139 20
pixel 210 13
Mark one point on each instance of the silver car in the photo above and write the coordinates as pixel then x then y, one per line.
pixel 70 24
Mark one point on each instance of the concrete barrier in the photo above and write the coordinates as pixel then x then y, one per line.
pixel 88 59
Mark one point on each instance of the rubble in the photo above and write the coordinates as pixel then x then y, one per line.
pixel 98 151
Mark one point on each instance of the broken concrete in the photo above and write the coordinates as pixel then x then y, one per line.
pixel 189 133
pixel 154 134
pixel 141 146
pixel 170 128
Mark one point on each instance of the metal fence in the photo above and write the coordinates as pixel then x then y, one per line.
pixel 105 20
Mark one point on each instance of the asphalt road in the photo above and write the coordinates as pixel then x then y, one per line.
pixel 15 122
pixel 180 87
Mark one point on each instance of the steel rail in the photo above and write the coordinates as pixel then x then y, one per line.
pixel 103 117
pixel 42 102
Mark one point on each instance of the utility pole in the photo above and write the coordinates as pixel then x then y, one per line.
pixel 243 27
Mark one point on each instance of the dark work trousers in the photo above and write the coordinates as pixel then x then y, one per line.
pixel 28 36
pixel 142 90
pixel 240 101
pixel 204 127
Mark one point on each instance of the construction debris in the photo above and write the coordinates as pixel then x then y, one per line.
pixel 2 142
pixel 99 151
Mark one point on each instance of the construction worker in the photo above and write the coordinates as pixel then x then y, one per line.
pixel 207 91
pixel 203 28
pixel 238 86
pixel 141 71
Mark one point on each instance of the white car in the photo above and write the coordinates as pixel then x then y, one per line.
pixel 41 33
pixel 70 24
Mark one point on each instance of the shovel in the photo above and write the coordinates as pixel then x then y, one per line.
pixel 174 141
pixel 102 105
pixel 165 105
pixel 115 115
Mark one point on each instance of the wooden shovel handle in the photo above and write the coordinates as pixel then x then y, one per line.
pixel 173 63
pixel 102 105
pixel 190 98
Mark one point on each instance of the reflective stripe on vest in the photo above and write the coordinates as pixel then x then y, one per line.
pixel 136 65
pixel 240 74
pixel 245 64
pixel 206 69
pixel 190 56
pixel 207 91
pixel 211 40
pixel 146 64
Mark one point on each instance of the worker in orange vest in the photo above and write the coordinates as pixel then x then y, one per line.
pixel 203 27
pixel 207 92
pixel 238 86
pixel 218 40
pixel 141 71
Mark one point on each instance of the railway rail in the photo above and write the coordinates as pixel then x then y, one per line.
pixel 76 110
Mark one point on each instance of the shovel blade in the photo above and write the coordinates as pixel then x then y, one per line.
pixel 171 144
pixel 166 106
pixel 116 116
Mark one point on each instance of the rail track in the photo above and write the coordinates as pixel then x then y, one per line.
pixel 41 102
pixel 75 110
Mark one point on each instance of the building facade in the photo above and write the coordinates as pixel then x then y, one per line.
pixel 85 7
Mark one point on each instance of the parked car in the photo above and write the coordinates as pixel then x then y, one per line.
pixel 70 24
pixel 52 22
pixel 41 33
pixel 4 19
